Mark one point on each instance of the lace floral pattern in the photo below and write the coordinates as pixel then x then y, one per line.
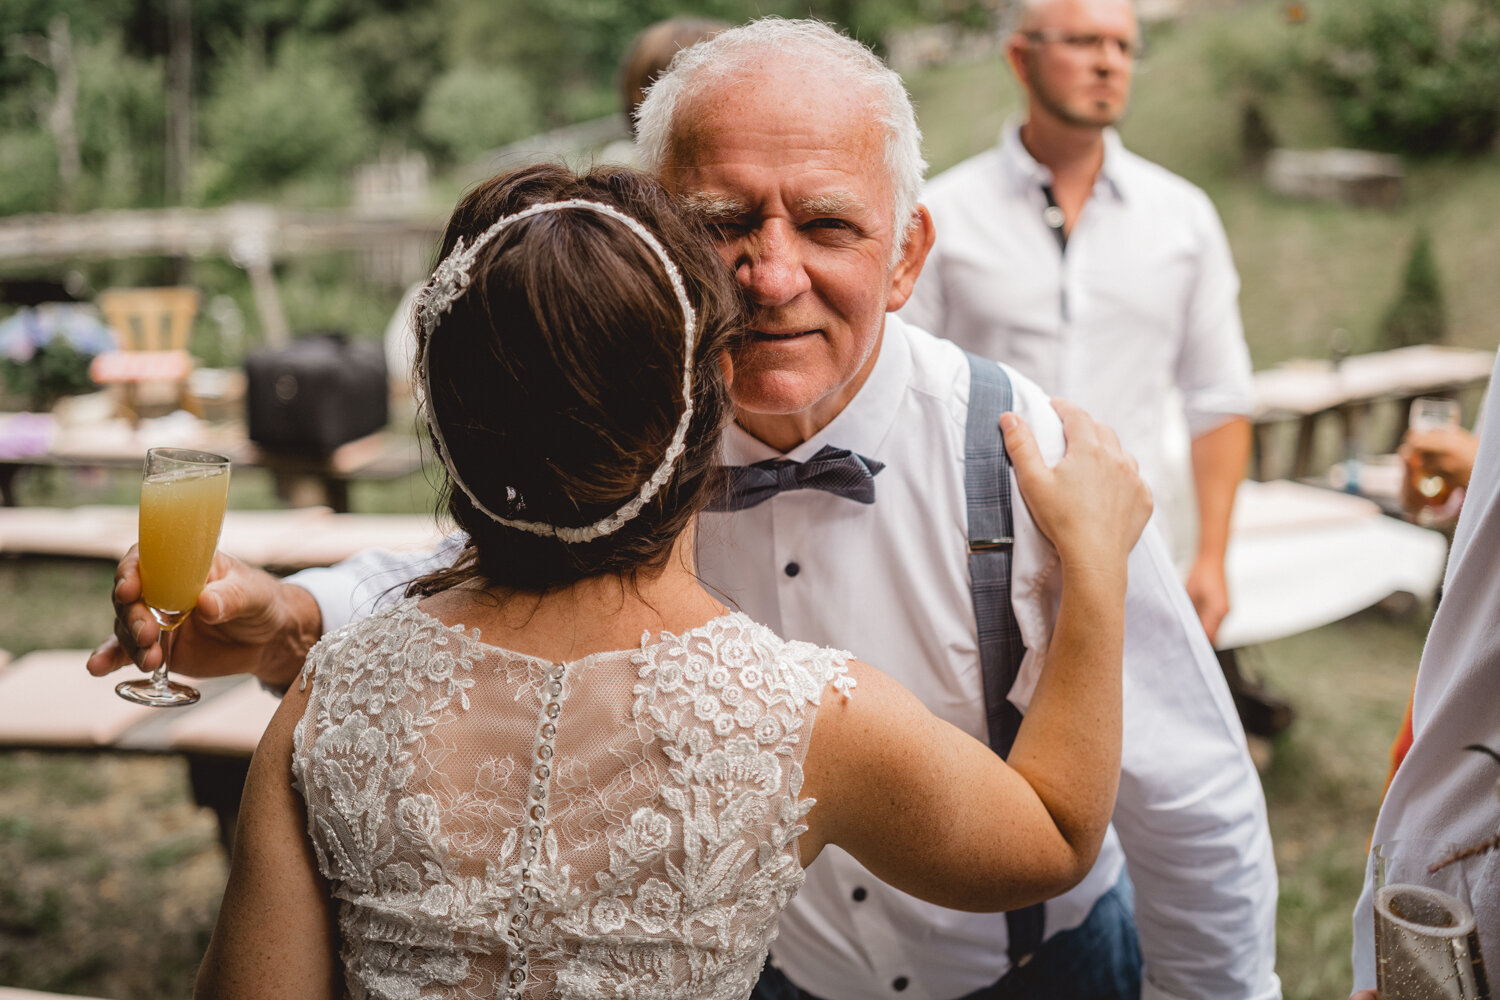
pixel 492 824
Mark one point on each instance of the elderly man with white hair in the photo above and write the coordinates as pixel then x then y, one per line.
pixel 801 149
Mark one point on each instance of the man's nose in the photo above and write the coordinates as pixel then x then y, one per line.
pixel 770 266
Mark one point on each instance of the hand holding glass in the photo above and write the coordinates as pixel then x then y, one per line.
pixel 1426 942
pixel 1427 414
pixel 183 496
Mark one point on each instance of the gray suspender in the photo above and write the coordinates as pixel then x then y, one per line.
pixel 991 539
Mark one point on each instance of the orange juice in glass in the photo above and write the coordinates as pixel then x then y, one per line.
pixel 183 497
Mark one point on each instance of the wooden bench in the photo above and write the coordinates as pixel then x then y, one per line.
pixel 48 701
pixel 301 480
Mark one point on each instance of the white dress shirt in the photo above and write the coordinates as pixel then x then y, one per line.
pixel 1442 792
pixel 1138 321
pixel 890 582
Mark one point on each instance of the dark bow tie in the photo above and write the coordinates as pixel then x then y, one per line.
pixel 833 470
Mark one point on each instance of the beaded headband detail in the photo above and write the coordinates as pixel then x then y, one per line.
pixel 449 282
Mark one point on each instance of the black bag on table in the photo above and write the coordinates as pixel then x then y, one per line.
pixel 322 391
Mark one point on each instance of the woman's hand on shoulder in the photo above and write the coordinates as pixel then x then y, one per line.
pixel 1092 505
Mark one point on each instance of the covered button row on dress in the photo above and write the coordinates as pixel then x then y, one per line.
pixel 540 773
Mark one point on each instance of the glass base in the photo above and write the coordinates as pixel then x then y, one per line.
pixel 163 695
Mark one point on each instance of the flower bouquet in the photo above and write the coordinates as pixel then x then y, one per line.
pixel 45 352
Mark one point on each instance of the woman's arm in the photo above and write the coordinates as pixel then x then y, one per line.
pixel 276 933
pixel 936 813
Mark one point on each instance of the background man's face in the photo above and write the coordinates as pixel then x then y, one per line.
pixel 1071 60
pixel 788 167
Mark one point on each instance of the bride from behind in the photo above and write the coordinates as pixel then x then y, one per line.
pixel 561 767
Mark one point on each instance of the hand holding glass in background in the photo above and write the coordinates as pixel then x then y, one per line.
pixel 1439 455
pixel 183 497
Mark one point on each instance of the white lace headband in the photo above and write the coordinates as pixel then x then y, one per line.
pixel 451 279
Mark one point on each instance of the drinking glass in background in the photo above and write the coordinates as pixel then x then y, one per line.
pixel 1429 413
pixel 183 496
pixel 1426 941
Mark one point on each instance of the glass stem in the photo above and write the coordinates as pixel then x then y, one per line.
pixel 159 675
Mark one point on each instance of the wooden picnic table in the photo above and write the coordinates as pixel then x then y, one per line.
pixel 278 540
pixel 49 702
pixel 301 479
pixel 1306 391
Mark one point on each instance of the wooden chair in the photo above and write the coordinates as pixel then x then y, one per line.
pixel 152 327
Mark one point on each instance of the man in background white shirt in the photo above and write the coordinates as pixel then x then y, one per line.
pixel 802 151
pixel 1102 276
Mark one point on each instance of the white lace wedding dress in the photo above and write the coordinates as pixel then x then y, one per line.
pixel 495 825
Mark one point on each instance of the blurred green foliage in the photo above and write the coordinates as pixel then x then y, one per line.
pixel 295 92
pixel 1420 77
pixel 472 108
pixel 268 123
pixel 1415 77
pixel 1417 316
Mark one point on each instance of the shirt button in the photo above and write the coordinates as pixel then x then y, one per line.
pixel 792 569
pixel 900 983
pixel 859 894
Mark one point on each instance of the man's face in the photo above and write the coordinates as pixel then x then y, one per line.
pixel 789 169
pixel 1075 58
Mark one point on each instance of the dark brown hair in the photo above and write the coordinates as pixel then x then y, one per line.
pixel 556 379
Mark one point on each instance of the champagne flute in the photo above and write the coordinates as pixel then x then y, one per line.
pixel 1426 939
pixel 183 496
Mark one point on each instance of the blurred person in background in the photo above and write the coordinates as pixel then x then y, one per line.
pixel 1102 276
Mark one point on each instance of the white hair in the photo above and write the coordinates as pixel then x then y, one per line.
pixel 736 50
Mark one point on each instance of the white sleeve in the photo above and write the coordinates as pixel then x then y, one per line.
pixel 357 586
pixel 1190 812
pixel 1213 368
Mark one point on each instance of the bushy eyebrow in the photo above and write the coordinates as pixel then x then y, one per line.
pixel 830 203
pixel 711 208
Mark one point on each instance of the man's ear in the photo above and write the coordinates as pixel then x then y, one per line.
pixel 1015 54
pixel 920 234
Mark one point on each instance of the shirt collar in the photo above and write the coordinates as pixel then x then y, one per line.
pixel 1024 172
pixel 862 425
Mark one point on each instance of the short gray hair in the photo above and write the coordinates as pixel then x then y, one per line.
pixel 695 68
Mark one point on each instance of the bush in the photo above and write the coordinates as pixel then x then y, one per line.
pixel 28 162
pixel 1420 77
pixel 472 109
pixel 265 125
pixel 1418 315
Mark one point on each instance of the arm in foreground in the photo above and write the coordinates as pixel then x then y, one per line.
pixel 936 813
pixel 246 622
pixel 276 933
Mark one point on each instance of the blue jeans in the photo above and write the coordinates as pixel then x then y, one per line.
pixel 1100 959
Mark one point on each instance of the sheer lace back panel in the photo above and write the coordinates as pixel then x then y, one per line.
pixel 494 825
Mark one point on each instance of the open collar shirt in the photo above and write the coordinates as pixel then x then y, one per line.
pixel 1137 320
pixel 889 581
